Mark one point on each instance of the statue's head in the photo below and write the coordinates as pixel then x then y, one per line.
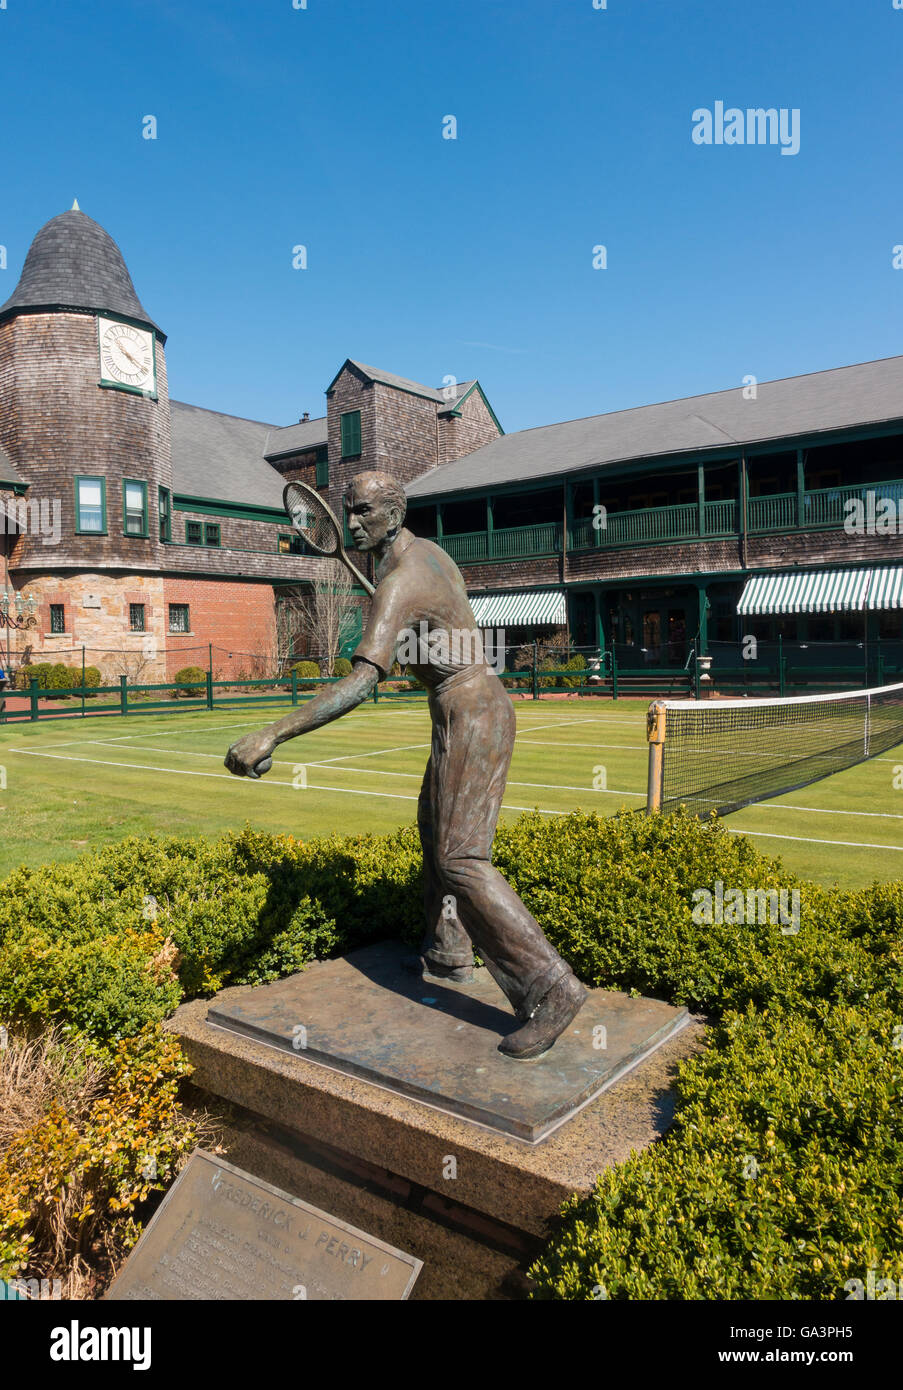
pixel 375 507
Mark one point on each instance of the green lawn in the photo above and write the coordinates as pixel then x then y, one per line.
pixel 74 784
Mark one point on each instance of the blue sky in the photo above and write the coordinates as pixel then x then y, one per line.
pixel 470 257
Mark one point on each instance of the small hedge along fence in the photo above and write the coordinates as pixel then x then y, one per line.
pixel 56 677
pixel 781 1177
pixel 192 681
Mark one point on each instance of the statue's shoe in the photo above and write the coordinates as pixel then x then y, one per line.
pixel 444 974
pixel 555 1011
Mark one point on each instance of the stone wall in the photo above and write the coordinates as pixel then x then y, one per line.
pixel 237 618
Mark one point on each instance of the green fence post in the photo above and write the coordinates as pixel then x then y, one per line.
pixel 123 695
pixel 33 694
pixel 210 690
pixel 614 674
pixel 535 682
pixel 83 682
pixel 294 686
pixel 376 693
pixel 696 689
pixel 782 680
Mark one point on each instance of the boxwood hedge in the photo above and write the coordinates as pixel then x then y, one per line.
pixel 782 1174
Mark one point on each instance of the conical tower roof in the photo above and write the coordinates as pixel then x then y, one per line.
pixel 74 264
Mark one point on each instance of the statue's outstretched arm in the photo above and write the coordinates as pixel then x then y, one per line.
pixel 252 755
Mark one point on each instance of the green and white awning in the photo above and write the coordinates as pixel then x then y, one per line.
pixel 886 588
pixel 823 591
pixel 528 608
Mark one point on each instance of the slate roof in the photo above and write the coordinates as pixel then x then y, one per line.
pixel 222 457
pixel 403 383
pixel 865 394
pixel 74 264
pixel 295 439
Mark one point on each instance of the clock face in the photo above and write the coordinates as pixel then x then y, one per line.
pixel 126 355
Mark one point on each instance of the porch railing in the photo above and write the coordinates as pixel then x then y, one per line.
pixel 825 508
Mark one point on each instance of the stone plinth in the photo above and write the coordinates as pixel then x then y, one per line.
pixel 379 1148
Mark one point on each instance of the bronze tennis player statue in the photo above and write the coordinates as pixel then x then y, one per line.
pixel 420 592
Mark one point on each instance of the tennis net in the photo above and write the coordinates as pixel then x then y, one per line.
pixel 720 755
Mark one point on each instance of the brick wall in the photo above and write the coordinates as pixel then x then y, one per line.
pixel 237 618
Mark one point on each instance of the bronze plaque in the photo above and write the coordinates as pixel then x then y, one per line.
pixel 222 1234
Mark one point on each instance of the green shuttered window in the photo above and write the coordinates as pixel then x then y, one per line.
pixel 351 434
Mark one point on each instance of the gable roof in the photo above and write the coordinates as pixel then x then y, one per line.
pixel 222 457
pixel 841 398
pixel 447 397
pixel 295 439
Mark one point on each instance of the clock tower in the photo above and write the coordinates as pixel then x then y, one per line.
pixel 84 417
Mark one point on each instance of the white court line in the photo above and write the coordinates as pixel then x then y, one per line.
pixel 228 777
pixel 808 840
pixel 377 752
pixel 827 811
pixel 542 743
pixel 363 771
pixel 398 796
pixel 542 786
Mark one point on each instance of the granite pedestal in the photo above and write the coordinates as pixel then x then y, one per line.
pixel 382 1098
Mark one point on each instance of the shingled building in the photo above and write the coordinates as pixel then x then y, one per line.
pixel 148 530
pixel 154 530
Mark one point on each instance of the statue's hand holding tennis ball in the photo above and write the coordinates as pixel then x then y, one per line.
pixel 252 755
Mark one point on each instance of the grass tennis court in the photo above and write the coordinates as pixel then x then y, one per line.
pixel 75 784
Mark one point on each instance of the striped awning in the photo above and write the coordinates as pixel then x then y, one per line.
pixel 825 591
pixel 529 608
pixel 886 588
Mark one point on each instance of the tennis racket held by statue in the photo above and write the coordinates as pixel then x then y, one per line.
pixel 315 522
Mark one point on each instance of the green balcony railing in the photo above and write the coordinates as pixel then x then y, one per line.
pixel 822 507
pixel 721 518
pixel 512 542
pixel 826 506
pixel 509 543
pixel 774 513
pixel 469 546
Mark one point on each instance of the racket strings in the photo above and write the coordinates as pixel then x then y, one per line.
pixel 312 520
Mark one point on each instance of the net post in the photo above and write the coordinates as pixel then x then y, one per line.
pixel 655 736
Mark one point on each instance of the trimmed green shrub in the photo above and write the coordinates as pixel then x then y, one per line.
pixel 306 670
pixel 342 666
pixel 92 677
pixel 197 677
pixel 61 679
pixel 781 1175
pixel 40 671
pixel 576 663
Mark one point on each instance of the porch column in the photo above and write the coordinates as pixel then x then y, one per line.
pixel 700 483
pixel 703 620
pixel 800 486
pixel 600 626
pixel 490 528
